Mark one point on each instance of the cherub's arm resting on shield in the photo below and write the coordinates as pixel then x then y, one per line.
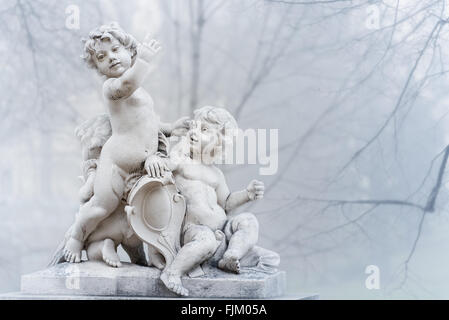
pixel 156 166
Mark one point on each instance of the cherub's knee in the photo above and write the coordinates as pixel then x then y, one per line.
pixel 101 205
pixel 245 221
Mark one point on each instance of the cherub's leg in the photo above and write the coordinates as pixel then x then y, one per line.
pixel 87 190
pixel 245 232
pixel 108 191
pixel 199 245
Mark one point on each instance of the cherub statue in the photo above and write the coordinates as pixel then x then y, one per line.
pixel 114 230
pixel 209 200
pixel 135 129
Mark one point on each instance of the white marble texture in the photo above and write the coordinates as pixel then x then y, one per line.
pixel 94 278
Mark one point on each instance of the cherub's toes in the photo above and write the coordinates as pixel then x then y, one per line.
pixel 176 289
pixel 180 290
pixel 237 267
pixel 171 285
pixel 184 292
pixel 77 258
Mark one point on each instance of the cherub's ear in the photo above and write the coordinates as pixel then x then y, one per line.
pixel 227 135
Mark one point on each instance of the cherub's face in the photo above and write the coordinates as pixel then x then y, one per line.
pixel 203 137
pixel 111 57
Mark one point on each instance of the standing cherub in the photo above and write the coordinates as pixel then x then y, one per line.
pixel 209 200
pixel 135 126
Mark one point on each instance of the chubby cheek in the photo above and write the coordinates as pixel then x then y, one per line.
pixel 125 59
pixel 102 67
pixel 207 140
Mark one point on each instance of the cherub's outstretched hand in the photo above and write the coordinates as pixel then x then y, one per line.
pixel 255 190
pixel 155 166
pixel 148 49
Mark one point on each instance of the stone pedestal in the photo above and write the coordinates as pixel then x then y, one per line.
pixel 91 278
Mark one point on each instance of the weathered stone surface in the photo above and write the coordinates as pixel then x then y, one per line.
pixel 91 278
pixel 21 296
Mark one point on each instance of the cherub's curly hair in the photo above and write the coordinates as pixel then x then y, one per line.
pixel 217 116
pixel 108 31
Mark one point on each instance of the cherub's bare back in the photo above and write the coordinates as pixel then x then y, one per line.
pixel 135 128
pixel 197 184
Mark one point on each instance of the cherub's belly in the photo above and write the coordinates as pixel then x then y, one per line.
pixel 129 151
pixel 202 205
pixel 214 218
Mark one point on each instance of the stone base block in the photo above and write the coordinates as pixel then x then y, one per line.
pixel 21 296
pixel 92 278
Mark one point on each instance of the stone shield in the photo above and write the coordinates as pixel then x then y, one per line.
pixel 156 212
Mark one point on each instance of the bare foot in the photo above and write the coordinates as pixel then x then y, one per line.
pixel 173 283
pixel 110 255
pixel 229 262
pixel 72 250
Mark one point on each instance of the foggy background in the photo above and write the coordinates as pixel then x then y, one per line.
pixel 357 89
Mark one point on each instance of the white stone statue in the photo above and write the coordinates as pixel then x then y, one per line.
pixel 139 190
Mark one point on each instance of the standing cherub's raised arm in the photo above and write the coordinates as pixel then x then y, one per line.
pixel 125 85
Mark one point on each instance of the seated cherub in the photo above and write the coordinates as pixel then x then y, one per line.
pixel 208 200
